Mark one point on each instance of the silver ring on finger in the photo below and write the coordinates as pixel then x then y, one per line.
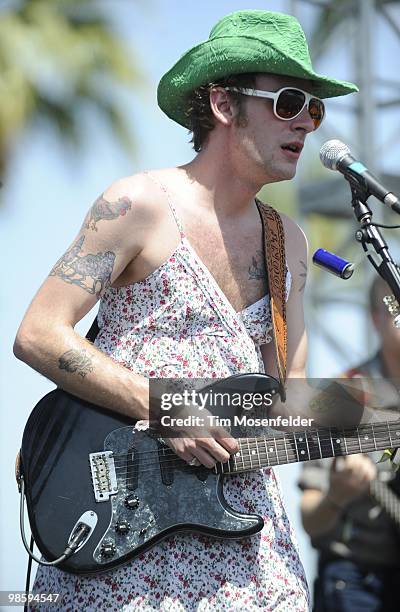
pixel 194 462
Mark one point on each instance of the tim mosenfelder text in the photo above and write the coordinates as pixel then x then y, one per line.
pixel 242 420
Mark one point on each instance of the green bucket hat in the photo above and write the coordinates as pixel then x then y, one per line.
pixel 242 42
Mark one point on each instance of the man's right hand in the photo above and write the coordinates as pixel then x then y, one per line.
pixel 206 442
pixel 350 478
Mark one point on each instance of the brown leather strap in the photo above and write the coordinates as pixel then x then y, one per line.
pixel 18 469
pixel 275 263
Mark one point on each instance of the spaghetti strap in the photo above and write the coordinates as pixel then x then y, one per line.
pixel 169 200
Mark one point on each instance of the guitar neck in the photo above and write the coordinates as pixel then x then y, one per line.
pixel 284 448
pixel 387 499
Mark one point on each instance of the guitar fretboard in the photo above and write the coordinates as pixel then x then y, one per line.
pixel 280 449
pixel 387 499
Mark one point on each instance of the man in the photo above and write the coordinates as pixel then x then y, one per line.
pixel 358 544
pixel 179 269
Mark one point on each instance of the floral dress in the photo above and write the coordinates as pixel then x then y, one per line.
pixel 178 323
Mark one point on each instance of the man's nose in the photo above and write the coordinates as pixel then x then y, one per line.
pixel 304 121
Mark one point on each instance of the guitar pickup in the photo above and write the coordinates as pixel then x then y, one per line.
pixel 104 478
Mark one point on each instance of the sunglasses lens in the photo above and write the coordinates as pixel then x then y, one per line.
pixel 316 109
pixel 290 103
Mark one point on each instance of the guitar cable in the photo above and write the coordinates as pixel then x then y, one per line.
pixel 28 576
pixel 76 540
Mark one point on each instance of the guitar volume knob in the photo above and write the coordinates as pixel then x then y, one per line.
pixel 107 549
pixel 122 527
pixel 132 501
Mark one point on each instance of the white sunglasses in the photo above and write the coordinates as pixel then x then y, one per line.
pixel 289 102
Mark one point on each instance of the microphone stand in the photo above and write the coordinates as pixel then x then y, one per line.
pixel 387 269
pixel 369 234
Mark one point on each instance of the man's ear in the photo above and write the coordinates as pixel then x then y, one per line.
pixel 222 106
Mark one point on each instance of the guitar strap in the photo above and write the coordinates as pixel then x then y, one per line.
pixel 275 264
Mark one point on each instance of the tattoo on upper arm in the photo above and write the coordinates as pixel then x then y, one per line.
pixel 76 361
pixel 92 272
pixel 103 209
pixel 257 268
pixel 303 275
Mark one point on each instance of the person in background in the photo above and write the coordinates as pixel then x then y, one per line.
pixel 358 543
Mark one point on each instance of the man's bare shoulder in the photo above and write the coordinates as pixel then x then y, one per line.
pixel 130 209
pixel 296 247
pixel 141 192
pixel 295 237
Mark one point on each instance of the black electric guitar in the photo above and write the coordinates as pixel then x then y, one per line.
pixel 91 477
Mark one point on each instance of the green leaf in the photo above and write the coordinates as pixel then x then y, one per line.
pixel 57 56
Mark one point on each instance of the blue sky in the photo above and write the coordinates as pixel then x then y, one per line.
pixel 48 192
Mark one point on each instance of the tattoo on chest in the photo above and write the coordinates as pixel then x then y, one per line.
pixel 102 209
pixel 257 268
pixel 92 272
pixel 74 361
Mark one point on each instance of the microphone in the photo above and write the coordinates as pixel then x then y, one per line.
pixel 335 155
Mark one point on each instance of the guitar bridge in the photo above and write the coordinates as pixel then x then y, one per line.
pixel 104 478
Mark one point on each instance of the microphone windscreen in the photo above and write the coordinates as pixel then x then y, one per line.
pixel 332 152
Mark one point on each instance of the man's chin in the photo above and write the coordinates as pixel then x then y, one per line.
pixel 283 174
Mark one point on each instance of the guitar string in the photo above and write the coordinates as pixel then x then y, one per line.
pixel 249 461
pixel 382 428
pixel 254 449
pixel 245 465
pixel 324 433
pixel 226 468
pixel 327 451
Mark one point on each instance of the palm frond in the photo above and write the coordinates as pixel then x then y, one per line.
pixel 54 56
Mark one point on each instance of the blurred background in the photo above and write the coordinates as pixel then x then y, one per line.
pixel 78 110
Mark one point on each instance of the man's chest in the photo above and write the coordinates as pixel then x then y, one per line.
pixel 230 253
pixel 234 260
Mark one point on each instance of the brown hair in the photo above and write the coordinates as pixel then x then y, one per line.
pixel 200 118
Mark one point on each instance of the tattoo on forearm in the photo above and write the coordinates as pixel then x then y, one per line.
pixel 92 272
pixel 103 209
pixel 303 275
pixel 257 268
pixel 76 362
